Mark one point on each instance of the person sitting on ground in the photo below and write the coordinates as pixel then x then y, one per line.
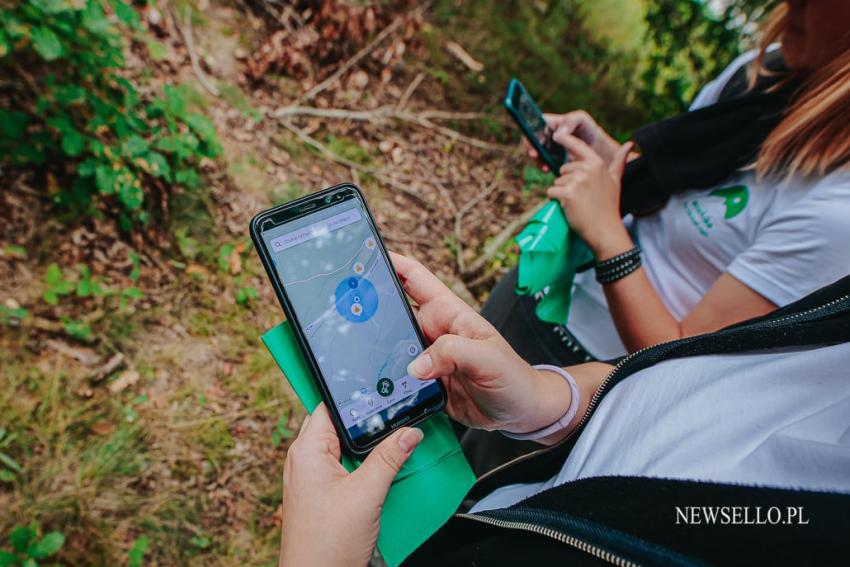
pixel 740 206
pixel 693 422
pixel 758 197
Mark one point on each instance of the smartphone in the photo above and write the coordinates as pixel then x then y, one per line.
pixel 339 291
pixel 527 114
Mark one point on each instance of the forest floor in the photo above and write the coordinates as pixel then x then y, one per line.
pixel 163 434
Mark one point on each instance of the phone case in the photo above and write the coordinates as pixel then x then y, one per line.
pixel 514 86
pixel 299 335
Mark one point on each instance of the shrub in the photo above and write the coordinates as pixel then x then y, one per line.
pixel 71 116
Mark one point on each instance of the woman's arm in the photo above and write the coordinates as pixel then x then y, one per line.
pixel 643 320
pixel 589 191
pixel 330 516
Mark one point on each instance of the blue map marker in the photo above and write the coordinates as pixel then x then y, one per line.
pixel 356 299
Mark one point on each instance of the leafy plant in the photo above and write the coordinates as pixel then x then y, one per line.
pixel 246 294
pixel 28 546
pixel 12 315
pixel 75 119
pixel 55 284
pixel 59 283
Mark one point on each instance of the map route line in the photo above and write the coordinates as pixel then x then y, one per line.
pixel 327 273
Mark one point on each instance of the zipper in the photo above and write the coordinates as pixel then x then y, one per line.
pixel 809 311
pixel 601 390
pixel 584 418
pixel 575 542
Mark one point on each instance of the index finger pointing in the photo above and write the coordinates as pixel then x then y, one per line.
pixel 418 282
pixel 574 145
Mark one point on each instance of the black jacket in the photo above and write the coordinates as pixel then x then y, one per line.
pixel 631 520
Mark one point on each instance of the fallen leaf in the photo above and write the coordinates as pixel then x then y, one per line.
pixel 102 427
pixel 196 269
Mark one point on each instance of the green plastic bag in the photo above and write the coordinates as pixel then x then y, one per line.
pixel 549 255
pixel 427 490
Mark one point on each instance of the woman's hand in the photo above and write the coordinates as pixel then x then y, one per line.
pixel 581 125
pixel 489 386
pixel 589 192
pixel 330 516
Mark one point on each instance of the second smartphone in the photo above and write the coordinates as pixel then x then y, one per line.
pixel 529 118
pixel 337 286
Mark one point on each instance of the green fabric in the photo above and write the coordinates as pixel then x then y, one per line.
pixel 549 256
pixel 429 487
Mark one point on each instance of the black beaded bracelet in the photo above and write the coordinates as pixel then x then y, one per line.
pixel 618 267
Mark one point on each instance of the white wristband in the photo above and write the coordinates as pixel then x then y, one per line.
pixel 565 419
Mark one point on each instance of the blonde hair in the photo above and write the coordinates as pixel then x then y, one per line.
pixel 812 138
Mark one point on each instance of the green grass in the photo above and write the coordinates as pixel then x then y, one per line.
pixel 107 468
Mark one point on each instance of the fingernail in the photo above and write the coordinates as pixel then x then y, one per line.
pixel 421 366
pixel 410 439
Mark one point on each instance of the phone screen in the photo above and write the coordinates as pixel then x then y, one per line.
pixel 533 117
pixel 353 316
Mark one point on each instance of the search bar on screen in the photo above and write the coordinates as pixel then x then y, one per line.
pixel 311 231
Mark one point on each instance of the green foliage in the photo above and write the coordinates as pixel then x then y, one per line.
pixel 136 555
pixel 74 118
pixel 82 284
pixel 545 44
pixel 28 546
pixel 535 179
pixel 688 45
pixel 12 315
pixel 281 431
pixel 246 294
pixel 55 284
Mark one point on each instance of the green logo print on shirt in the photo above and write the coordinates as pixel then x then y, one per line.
pixel 735 198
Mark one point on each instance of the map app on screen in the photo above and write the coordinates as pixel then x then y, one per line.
pixel 352 314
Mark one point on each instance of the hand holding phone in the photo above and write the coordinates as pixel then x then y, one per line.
pixel 334 279
pixel 531 121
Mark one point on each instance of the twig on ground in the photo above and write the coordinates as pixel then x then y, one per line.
pixel 499 240
pixel 226 417
pixel 468 206
pixel 186 32
pixel 355 59
pixel 383 113
pixel 464 57
pixel 408 92
pixel 333 156
pixel 379 114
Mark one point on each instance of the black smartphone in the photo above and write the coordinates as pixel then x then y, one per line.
pixel 528 116
pixel 340 293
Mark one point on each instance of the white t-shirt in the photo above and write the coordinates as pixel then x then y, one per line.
pixel 781 239
pixel 778 419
